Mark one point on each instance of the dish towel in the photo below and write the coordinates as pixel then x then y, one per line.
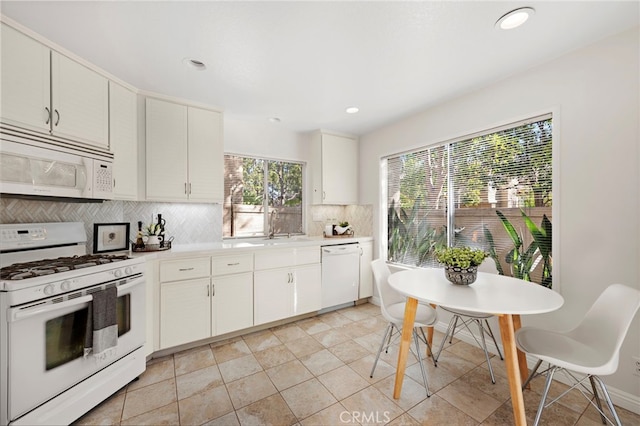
pixel 101 336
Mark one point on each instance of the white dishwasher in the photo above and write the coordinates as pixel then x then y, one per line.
pixel 340 274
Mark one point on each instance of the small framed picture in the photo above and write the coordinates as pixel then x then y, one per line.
pixel 110 237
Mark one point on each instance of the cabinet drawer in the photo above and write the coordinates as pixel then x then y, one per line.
pixel 307 255
pixel 281 258
pixel 184 269
pixel 225 265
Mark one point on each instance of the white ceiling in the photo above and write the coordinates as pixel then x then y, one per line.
pixel 305 62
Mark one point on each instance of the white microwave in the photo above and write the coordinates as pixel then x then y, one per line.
pixel 37 170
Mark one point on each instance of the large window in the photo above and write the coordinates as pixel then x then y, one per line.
pixel 262 197
pixel 492 190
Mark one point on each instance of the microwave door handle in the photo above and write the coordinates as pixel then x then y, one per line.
pixel 17 314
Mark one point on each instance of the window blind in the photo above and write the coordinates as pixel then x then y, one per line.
pixel 469 192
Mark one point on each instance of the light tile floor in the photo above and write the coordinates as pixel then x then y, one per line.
pixel 316 372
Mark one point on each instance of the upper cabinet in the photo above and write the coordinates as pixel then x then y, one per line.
pixel 123 137
pixel 44 91
pixel 79 102
pixel 184 153
pixel 335 174
pixel 26 81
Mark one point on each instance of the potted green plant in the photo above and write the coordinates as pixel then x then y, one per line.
pixel 461 263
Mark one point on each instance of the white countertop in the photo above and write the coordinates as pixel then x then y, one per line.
pixel 231 246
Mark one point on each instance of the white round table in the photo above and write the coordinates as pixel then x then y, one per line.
pixel 506 297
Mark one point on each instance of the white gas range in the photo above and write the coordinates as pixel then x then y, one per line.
pixel 47 288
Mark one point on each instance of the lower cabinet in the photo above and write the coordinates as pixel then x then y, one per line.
pixel 201 297
pixel 231 303
pixel 366 273
pixel 287 291
pixel 185 311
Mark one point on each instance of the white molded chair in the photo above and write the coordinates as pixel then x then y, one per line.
pixel 392 305
pixel 462 318
pixel 592 348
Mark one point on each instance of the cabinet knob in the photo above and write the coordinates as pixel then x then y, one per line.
pixel 48 115
pixel 57 117
pixel 185 269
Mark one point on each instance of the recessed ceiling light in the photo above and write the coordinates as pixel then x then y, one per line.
pixel 352 110
pixel 274 119
pixel 515 18
pixel 194 63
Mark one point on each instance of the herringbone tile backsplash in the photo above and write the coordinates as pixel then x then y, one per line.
pixel 187 223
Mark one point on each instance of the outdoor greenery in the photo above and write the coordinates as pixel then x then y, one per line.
pixel 515 163
pixel 524 260
pixel 284 185
pixel 412 239
pixel 518 158
pixel 256 188
pixel 462 257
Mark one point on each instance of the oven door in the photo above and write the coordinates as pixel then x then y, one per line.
pixel 46 343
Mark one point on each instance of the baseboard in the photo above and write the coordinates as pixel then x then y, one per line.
pixel 620 398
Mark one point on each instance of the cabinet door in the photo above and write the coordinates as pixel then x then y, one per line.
pixel 24 81
pixel 123 132
pixel 185 312
pixel 307 290
pixel 205 155
pixel 273 295
pixel 166 151
pixel 231 303
pixel 80 102
pixel 366 274
pixel 152 288
pixel 339 170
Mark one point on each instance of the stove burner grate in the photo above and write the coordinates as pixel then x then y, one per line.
pixel 20 271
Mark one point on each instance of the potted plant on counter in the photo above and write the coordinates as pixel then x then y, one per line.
pixel 461 263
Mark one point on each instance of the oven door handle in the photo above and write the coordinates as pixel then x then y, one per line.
pixel 131 282
pixel 16 314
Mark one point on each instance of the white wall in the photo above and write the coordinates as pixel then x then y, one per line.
pixel 594 95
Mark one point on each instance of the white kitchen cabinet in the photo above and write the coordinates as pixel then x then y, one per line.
pixel 80 102
pixel 47 92
pixel 201 297
pixel 153 306
pixel 185 300
pixel 232 293
pixel 26 81
pixel 231 303
pixel 184 153
pixel 206 155
pixel 307 282
pixel 366 273
pixel 287 282
pixel 335 170
pixel 185 311
pixel 123 138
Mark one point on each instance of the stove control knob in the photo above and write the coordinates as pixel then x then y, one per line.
pixel 49 289
pixel 65 286
pixel 117 273
pixel 128 270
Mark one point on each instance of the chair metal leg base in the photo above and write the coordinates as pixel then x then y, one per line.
pixel 577 384
pixel 451 330
pixel 387 334
pixel 386 342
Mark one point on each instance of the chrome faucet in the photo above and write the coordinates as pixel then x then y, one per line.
pixel 274 212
